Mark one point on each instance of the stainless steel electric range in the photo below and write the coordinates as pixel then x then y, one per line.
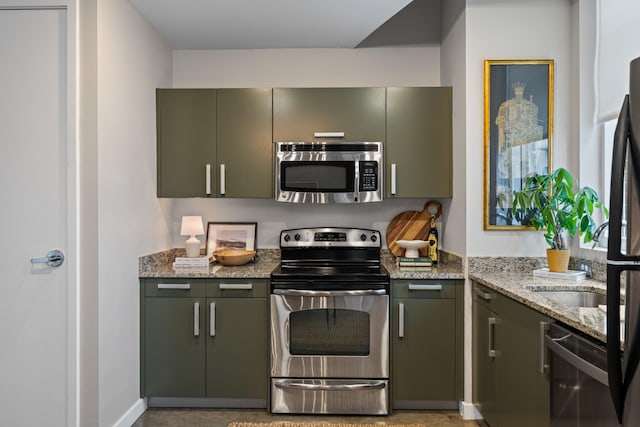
pixel 330 323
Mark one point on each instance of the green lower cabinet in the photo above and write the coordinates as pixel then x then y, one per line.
pixel 511 386
pixel 174 358
pixel 206 340
pixel 237 348
pixel 485 365
pixel 426 330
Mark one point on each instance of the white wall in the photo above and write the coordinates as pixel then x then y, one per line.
pixel 526 29
pixel 453 74
pixel 453 60
pixel 405 66
pixel 88 183
pixel 132 61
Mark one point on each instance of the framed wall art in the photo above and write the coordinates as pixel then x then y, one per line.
pixel 518 129
pixel 231 235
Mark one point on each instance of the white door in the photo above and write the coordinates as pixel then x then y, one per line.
pixel 37 348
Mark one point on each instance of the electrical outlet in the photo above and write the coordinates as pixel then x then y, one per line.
pixel 585 265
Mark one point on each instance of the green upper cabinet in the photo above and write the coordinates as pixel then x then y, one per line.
pixel 358 113
pixel 186 141
pixel 419 142
pixel 244 143
pixel 214 143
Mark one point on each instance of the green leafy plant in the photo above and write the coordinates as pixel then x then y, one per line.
pixel 553 205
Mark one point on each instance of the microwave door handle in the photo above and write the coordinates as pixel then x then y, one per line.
pixel 356 184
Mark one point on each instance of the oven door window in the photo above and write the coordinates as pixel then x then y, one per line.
pixel 329 332
pixel 318 177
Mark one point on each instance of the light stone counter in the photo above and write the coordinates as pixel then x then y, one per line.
pixel 160 265
pixel 520 285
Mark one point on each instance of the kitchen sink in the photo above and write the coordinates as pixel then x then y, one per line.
pixel 575 298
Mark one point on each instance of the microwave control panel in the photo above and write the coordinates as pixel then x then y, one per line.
pixel 368 175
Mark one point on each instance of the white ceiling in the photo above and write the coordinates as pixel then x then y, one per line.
pixel 266 24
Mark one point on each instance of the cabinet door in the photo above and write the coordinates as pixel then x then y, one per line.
pixel 300 112
pixel 523 391
pixel 419 142
pixel 237 349
pixel 174 347
pixel 424 350
pixel 186 133
pixel 485 363
pixel 244 143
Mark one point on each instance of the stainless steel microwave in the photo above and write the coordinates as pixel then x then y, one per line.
pixel 328 172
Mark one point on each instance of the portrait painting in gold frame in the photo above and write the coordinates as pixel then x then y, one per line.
pixel 518 129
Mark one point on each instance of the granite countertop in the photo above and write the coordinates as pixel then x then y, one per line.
pixel 521 286
pixel 160 265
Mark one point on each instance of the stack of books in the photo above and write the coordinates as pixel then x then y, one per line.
pixel 186 262
pixel 415 264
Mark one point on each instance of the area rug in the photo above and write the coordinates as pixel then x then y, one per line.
pixel 320 424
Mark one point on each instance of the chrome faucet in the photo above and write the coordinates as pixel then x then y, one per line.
pixel 599 230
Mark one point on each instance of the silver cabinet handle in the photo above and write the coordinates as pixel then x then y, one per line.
pixel 212 319
pixel 400 320
pixel 413 287
pixel 544 367
pixel 302 292
pixel 329 387
pixel 196 319
pixel 492 338
pixel 179 286
pixel 223 181
pixel 393 179
pixel 207 182
pixel 484 295
pixel 54 258
pixel 328 134
pixel 236 286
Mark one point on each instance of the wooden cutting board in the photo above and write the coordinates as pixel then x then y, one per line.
pixel 411 225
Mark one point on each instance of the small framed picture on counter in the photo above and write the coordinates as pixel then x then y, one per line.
pixel 231 235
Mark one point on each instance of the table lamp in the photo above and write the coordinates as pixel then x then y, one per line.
pixel 192 226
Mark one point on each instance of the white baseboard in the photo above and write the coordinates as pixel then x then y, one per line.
pixel 132 414
pixel 469 411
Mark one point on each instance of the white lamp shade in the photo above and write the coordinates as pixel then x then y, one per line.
pixel 191 226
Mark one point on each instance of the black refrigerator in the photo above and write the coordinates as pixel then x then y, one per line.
pixel 623 259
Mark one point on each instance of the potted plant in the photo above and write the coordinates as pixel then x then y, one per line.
pixel 552 204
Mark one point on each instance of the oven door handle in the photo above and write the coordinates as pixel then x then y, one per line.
pixel 307 293
pixel 330 387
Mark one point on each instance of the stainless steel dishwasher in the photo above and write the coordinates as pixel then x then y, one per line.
pixel 579 385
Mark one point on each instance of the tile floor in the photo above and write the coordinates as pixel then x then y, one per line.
pixel 221 418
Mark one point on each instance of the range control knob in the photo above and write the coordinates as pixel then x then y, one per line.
pixel 286 238
pixel 363 237
pixel 374 238
pixel 297 237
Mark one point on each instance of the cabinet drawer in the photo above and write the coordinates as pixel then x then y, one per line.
pixel 192 288
pixel 238 288
pixel 430 289
pixel 484 296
